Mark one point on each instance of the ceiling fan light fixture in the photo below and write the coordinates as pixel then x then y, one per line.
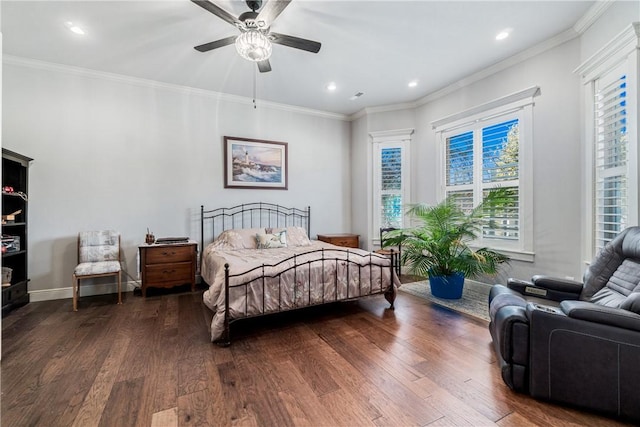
pixel 254 46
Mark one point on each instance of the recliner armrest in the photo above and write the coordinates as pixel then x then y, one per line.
pixel 546 287
pixel 600 314
pixel 557 284
pixel 632 302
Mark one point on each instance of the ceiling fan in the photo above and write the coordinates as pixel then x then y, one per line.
pixel 254 41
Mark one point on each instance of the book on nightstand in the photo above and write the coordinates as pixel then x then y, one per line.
pixel 169 240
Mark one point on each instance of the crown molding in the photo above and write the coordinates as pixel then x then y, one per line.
pixel 623 43
pixel 391 135
pixel 503 65
pixel 382 109
pixel 546 45
pixel 136 81
pixel 522 97
pixel 580 27
pixel 592 15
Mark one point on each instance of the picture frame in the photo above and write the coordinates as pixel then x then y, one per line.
pixel 255 164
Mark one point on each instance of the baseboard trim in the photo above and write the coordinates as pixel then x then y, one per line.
pixel 85 291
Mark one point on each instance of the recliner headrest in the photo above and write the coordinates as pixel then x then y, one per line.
pixel 630 242
pixel 624 245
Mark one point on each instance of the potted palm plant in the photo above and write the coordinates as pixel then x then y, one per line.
pixel 438 247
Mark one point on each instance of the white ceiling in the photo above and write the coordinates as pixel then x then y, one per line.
pixel 372 46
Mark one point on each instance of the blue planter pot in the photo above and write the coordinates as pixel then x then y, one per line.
pixel 449 287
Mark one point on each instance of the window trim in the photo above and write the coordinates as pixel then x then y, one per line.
pixel 518 104
pixel 621 50
pixel 383 139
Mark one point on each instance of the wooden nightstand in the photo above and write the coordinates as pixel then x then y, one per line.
pixel 168 265
pixel 344 239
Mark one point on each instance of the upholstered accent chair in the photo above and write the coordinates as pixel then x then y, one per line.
pixel 571 342
pixel 397 250
pixel 98 256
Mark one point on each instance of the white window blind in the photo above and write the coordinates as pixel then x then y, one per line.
pixel 391 203
pixel 488 146
pixel 460 159
pixel 484 157
pixel 391 178
pixel 611 158
pixel 500 149
pixel 611 79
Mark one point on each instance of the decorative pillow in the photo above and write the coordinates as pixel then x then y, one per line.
pixel 248 236
pixel 272 240
pixel 296 236
pixel 237 239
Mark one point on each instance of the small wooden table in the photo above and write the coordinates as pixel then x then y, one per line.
pixel 168 265
pixel 342 239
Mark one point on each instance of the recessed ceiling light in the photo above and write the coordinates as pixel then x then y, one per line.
pixel 503 34
pixel 74 28
pixel 413 83
pixel 331 87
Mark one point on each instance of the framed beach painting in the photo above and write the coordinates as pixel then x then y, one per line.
pixel 255 163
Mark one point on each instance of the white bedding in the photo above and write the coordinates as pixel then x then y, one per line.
pixel 328 279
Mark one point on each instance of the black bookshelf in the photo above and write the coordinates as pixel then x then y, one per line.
pixel 15 174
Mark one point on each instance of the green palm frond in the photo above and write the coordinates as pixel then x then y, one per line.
pixel 439 245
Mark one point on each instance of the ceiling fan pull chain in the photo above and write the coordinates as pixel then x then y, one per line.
pixel 255 84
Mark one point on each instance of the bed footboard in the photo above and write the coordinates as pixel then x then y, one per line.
pixel 366 273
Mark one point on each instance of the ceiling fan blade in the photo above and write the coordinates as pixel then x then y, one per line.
pixel 295 42
pixel 216 44
pixel 218 11
pixel 271 10
pixel 264 66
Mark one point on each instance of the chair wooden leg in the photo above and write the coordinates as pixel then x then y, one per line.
pixel 75 292
pixel 119 287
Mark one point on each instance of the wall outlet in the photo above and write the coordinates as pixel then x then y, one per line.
pixel 569 277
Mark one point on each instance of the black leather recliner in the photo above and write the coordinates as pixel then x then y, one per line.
pixel 575 343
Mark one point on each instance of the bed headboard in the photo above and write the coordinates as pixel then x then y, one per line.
pixel 250 215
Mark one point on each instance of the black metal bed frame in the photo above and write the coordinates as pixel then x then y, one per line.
pixel 250 215
pixel 253 215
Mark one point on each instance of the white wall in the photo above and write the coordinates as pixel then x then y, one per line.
pixel 556 152
pixel 113 153
pixel 361 173
pixel 556 148
pixel 361 164
pixel 614 20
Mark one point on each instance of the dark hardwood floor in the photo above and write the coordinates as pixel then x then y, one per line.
pixel 150 363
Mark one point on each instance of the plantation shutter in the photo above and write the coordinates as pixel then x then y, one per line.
pixel 500 167
pixel 610 154
pixel 391 187
pixel 477 161
pixel 459 170
pixel 460 159
pixel 485 147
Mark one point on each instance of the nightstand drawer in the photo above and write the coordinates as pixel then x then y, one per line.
pixel 165 254
pixel 168 273
pixel 346 240
pixel 168 265
pixel 349 243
